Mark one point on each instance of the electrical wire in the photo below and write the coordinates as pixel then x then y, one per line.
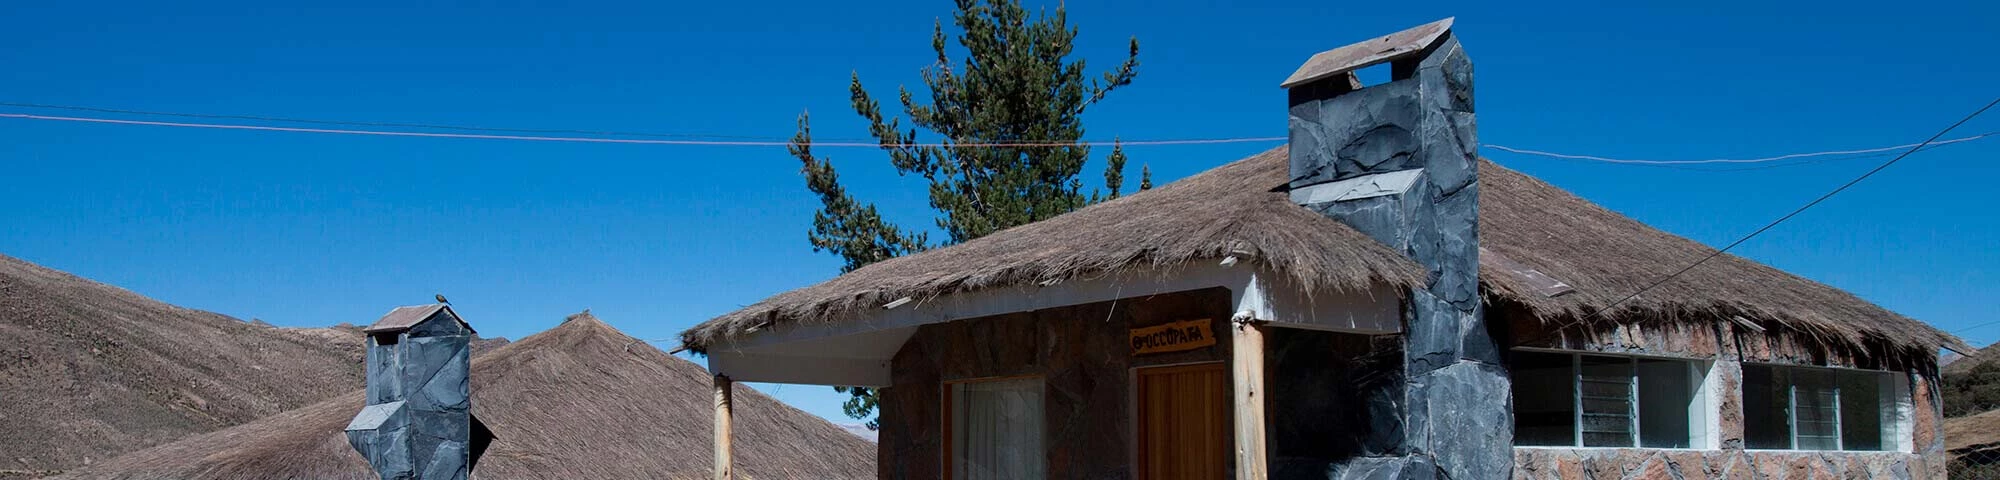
pixel 1732 160
pixel 539 138
pixel 386 124
pixel 549 135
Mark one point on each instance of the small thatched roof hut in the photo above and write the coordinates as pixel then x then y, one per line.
pixel 578 401
pixel 1241 209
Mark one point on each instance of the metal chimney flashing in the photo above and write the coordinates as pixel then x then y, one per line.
pixel 1370 52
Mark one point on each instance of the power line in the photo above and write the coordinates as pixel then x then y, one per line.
pixel 385 124
pixel 1976 327
pixel 728 143
pixel 548 135
pixel 1774 223
pixel 1733 160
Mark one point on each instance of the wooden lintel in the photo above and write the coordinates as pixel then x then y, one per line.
pixel 1247 375
pixel 724 400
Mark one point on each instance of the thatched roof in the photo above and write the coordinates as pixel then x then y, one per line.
pixel 578 401
pixel 89 371
pixel 1606 256
pixel 1231 209
pixel 1238 207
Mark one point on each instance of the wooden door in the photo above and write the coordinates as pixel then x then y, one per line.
pixel 1183 422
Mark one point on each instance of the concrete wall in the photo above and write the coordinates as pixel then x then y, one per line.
pixel 1729 346
pixel 1085 359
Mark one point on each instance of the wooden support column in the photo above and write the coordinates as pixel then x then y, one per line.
pixel 1247 373
pixel 724 399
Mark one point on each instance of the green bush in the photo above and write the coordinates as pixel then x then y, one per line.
pixel 1973 391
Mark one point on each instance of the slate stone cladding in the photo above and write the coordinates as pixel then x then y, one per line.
pixel 1457 402
pixel 418 423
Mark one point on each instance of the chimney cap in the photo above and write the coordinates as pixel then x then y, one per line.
pixel 404 318
pixel 1370 52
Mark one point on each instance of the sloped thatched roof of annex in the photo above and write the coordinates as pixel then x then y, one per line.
pixel 578 401
pixel 1239 207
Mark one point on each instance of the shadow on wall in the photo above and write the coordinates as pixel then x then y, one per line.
pixel 1338 395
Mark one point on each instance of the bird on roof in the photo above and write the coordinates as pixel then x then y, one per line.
pixel 440 298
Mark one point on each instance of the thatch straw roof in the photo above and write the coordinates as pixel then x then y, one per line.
pixel 89 371
pixel 578 401
pixel 1606 256
pixel 1232 209
pixel 1239 208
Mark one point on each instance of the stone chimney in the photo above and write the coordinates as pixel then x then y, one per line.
pixel 418 421
pixel 1398 162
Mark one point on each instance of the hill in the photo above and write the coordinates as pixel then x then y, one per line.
pixel 91 371
pixel 1974 443
pixel 1972 384
pixel 580 400
pixel 1965 363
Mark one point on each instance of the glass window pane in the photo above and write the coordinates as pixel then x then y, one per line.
pixel 1861 410
pixel 1766 414
pixel 1815 416
pixel 1605 393
pixel 1544 399
pixel 1666 401
pixel 997 429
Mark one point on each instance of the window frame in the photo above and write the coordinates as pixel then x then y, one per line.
pixel 1893 404
pixel 949 405
pixel 1702 418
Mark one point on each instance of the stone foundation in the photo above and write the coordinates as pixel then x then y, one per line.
pixel 1645 464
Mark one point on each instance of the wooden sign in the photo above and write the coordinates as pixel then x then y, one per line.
pixel 1172 337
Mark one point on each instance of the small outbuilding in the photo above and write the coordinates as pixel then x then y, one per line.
pixel 1370 301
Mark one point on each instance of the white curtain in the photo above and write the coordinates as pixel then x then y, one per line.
pixel 997 430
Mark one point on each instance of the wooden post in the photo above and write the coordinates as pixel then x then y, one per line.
pixel 1246 353
pixel 724 398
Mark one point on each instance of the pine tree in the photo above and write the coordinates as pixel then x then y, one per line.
pixel 1016 87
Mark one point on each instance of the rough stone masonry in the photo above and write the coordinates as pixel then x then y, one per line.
pixel 1397 162
pixel 418 420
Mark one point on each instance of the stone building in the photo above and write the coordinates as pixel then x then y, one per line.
pixel 1370 301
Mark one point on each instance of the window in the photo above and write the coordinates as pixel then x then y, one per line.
pixel 1564 399
pixel 1795 408
pixel 995 429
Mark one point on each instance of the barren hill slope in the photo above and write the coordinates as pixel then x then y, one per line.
pixel 90 371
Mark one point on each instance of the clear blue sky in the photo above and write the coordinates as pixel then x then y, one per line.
pixel 307 229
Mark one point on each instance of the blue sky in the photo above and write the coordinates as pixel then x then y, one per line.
pixel 307 229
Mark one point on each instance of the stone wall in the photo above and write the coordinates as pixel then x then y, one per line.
pixel 1398 162
pixel 1081 352
pixel 1645 464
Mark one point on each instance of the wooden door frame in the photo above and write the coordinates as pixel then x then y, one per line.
pixel 1135 435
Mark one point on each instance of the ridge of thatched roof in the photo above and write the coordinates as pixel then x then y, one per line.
pixel 1236 209
pixel 1531 231
pixel 581 400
